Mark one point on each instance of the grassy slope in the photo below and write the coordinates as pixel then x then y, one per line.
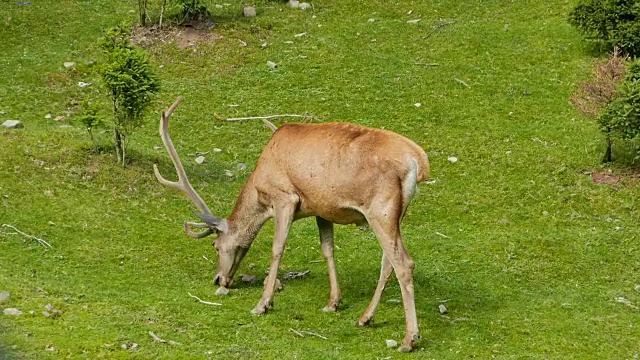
pixel 535 253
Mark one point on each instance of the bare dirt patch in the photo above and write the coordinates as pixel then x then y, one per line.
pixel 184 37
pixel 608 177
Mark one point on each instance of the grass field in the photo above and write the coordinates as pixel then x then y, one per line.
pixel 529 255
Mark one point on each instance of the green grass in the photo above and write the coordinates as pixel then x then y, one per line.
pixel 535 252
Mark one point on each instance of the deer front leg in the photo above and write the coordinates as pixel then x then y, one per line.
pixel 385 272
pixel 283 220
pixel 326 242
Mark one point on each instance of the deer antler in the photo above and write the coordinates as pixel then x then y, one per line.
pixel 183 183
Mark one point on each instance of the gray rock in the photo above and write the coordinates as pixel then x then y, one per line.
pixel 200 159
pixel 304 6
pixel 4 296
pixel 12 312
pixel 69 64
pixel 241 167
pixel 222 291
pixel 443 309
pixel 294 4
pixel 248 278
pixel 391 343
pixel 272 65
pixel 13 124
pixel 249 11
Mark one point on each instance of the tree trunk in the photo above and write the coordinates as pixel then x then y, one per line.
pixel 164 3
pixel 118 140
pixel 607 158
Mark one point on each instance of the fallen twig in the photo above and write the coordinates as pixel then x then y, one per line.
pixel 40 241
pixel 443 235
pixel 462 82
pixel 296 332
pixel 156 338
pixel 426 64
pixel 314 334
pixel 269 117
pixel 204 302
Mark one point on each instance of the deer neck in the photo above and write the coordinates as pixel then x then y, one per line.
pixel 248 216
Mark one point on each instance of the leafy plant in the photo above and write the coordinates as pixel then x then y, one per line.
pixel 616 23
pixel 193 10
pixel 130 81
pixel 622 116
pixel 597 93
pixel 90 120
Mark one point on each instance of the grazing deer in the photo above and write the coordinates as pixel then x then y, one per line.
pixel 341 174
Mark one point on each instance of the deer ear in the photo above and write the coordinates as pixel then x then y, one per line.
pixel 215 223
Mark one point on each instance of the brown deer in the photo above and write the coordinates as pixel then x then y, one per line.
pixel 341 174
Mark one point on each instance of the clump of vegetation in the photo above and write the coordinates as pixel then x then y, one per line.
pixel 622 115
pixel 187 11
pixel 91 120
pixel 127 75
pixel 614 23
pixel 595 95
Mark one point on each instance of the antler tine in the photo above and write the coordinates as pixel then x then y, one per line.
pixel 194 234
pixel 183 183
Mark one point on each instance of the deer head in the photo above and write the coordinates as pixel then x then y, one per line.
pixel 230 250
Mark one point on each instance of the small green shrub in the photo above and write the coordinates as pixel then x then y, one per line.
pixel 622 116
pixel 595 95
pixel 91 120
pixel 128 77
pixel 193 10
pixel 615 23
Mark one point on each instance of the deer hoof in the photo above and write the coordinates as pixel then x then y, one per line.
pixel 364 321
pixel 405 349
pixel 332 306
pixel 259 310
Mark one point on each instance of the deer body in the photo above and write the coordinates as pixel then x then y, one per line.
pixel 340 173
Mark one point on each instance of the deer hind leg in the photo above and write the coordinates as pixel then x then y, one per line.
pixel 283 220
pixel 385 272
pixel 387 229
pixel 326 242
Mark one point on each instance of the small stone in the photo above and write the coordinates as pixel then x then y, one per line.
pixel 443 309
pixel 222 291
pixel 453 159
pixel 391 343
pixel 264 45
pixel 13 124
pixel 133 346
pixel 12 312
pixel 48 116
pixel 83 84
pixel 228 173
pixel 4 296
pixel 294 4
pixel 50 347
pixel 69 64
pixel 637 287
pixel 417 105
pixel 200 160
pixel 216 150
pixel 249 11
pixel 272 65
pixel 371 20
pixel 300 35
pixel 241 167
pixel 413 21
pixel 545 213
pixel 248 278
pixel 304 6
pixel 124 346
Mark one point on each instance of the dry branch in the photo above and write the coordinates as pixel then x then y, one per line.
pixel 40 241
pixel 204 302
pixel 269 117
